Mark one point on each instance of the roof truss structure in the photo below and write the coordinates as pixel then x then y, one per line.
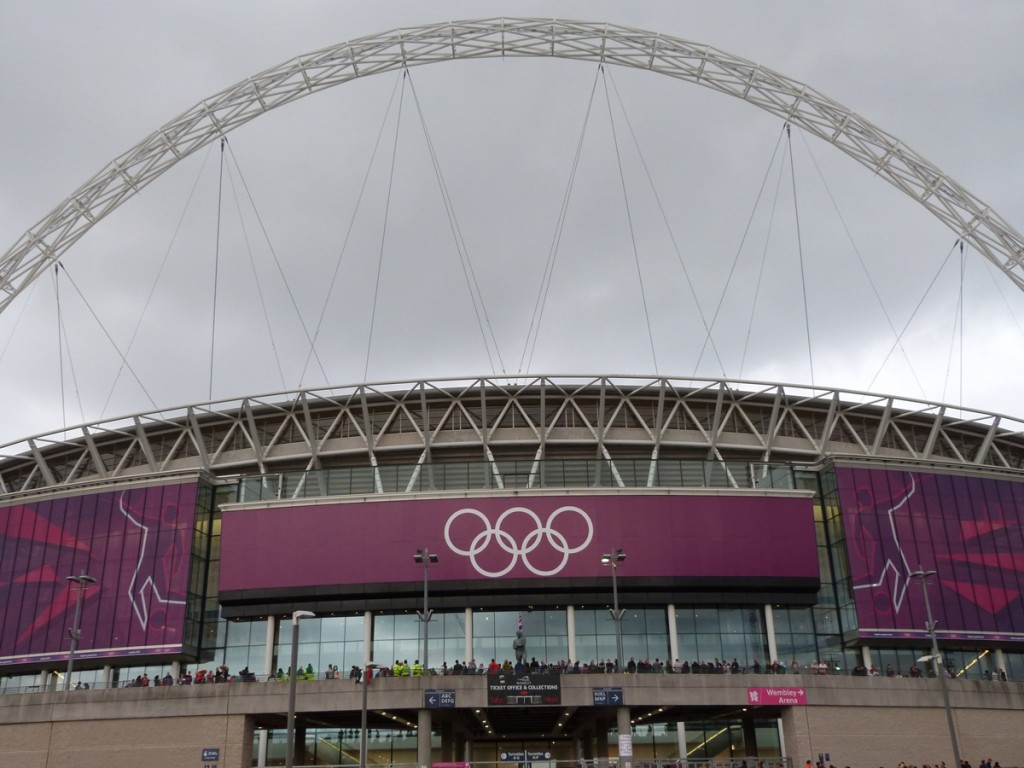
pixel 425 423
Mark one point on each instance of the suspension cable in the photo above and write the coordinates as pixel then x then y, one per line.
pixel 252 265
pixel 913 314
pixel 800 252
pixel 761 269
pixel 483 320
pixel 216 266
pixel 533 332
pixel 629 219
pixel 384 229
pixel 159 273
pixel 124 359
pixel 60 346
pixel 348 234
pixel 273 254
pixel 860 260
pixel 958 325
pixel 665 221
pixel 735 261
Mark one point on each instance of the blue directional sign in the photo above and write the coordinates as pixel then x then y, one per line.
pixel 608 697
pixel 439 698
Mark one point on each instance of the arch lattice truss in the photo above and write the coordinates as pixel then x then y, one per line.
pixel 799 104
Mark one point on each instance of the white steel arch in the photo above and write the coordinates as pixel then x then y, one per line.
pixel 795 102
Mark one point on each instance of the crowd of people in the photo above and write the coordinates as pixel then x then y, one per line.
pixel 402 668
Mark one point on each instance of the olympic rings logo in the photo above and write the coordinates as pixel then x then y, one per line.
pixel 542 531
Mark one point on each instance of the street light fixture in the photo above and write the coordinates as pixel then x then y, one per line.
pixel 289 758
pixel 938 664
pixel 425 558
pixel 613 559
pixel 75 631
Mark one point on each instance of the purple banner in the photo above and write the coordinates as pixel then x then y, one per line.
pixel 521 537
pixel 969 530
pixel 137 545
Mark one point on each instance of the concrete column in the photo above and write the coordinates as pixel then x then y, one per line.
pixel 570 624
pixel 367 637
pixel 625 737
pixel 423 756
pixel 175 670
pixel 300 744
pixel 601 741
pixel 865 656
pixel 673 634
pixel 1000 660
pixel 469 636
pixel 447 738
pixel 749 737
pixel 681 739
pixel 268 646
pixel 108 672
pixel 587 744
pixel 261 754
pixel 44 679
pixel 769 627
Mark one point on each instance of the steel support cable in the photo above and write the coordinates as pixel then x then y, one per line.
pixel 124 359
pixel 668 226
pixel 913 314
pixel 998 283
pixel 629 219
pixel 860 259
pixel 63 332
pixel 533 332
pixel 60 346
pixel 216 265
pixel 252 264
pixel 273 253
pixel 384 228
pixel 761 268
pixel 958 324
pixel 483 320
pixel 17 322
pixel 800 253
pixel 735 261
pixel 159 273
pixel 348 235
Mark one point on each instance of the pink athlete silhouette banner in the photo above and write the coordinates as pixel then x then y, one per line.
pixel 968 530
pixel 136 543
pixel 336 543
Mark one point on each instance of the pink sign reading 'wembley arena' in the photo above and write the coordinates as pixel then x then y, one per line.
pixel 765 696
pixel 519 537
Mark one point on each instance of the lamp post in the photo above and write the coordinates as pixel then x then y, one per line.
pixel 937 661
pixel 75 631
pixel 613 559
pixel 289 758
pixel 365 680
pixel 425 558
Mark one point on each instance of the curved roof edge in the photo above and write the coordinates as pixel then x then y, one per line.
pixel 720 419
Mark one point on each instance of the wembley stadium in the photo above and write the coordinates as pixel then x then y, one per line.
pixel 535 570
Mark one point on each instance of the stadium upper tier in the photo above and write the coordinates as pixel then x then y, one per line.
pixel 489 432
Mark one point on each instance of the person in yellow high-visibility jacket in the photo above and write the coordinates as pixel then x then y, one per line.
pixel 417 669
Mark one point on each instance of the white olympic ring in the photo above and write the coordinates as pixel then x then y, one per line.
pixel 508 544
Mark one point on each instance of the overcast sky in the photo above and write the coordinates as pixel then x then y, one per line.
pixel 81 82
